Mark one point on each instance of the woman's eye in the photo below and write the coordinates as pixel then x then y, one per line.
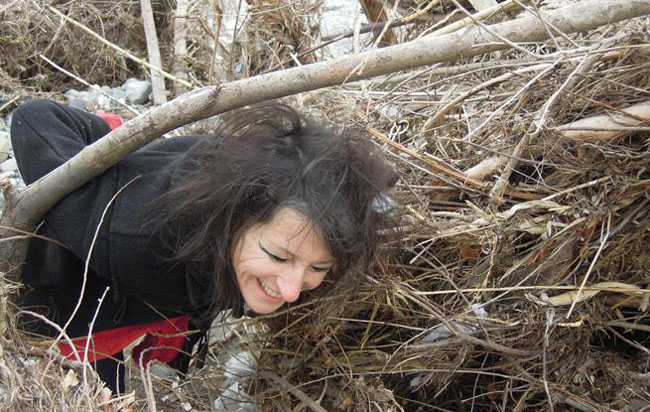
pixel 272 256
pixel 320 270
pixel 276 258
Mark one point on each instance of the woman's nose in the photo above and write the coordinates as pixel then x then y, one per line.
pixel 290 284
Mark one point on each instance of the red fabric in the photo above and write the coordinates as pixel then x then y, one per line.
pixel 162 342
pixel 113 120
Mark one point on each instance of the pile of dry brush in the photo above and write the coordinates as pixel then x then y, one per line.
pixel 520 278
pixel 266 38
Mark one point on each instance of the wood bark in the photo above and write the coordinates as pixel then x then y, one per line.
pixel 376 13
pixel 606 127
pixel 26 209
pixel 157 82
pixel 482 4
pixel 179 66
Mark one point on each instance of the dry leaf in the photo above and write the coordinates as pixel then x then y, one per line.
pixel 568 297
pixel 70 380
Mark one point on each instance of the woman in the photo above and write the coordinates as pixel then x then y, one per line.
pixel 187 227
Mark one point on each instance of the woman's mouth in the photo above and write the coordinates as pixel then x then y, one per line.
pixel 267 289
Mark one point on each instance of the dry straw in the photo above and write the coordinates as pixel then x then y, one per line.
pixel 526 300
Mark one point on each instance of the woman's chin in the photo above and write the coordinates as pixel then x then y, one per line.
pixel 264 308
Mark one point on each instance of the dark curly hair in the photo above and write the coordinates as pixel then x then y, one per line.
pixel 264 158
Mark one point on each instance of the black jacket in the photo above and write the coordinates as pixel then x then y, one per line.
pixel 127 256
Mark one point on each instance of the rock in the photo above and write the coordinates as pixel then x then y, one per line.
pixel 89 97
pixel 118 93
pixel 77 103
pixel 104 102
pixel 137 91
pixel 338 17
pixel 238 371
pixel 384 204
pixel 234 399
pixel 71 94
pixel 5 145
pixel 129 81
pixel 9 166
pixel 390 112
pixel 8 120
pixel 162 371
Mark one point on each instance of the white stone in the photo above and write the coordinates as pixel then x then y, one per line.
pixel 162 370
pixel 137 91
pixel 71 94
pixel 339 16
pixel 390 112
pixel 129 81
pixel 118 93
pixel 9 166
pixel 5 146
pixel 87 96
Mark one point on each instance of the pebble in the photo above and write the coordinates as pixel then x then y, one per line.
pixel 9 166
pixel 390 112
pixel 163 371
pixel 5 145
pixel 71 94
pixel 77 103
pixel 137 91
pixel 88 96
pixel 338 17
pixel 118 93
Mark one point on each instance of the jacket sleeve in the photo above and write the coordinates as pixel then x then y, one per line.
pixel 45 135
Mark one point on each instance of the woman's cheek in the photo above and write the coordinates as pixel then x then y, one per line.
pixel 313 281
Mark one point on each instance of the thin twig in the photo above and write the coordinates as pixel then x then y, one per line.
pixel 429 162
pixel 538 124
pixel 550 314
pixel 506 6
pixel 82 81
pixel 432 121
pixel 90 333
pixel 90 252
pixel 293 390
pixel 603 241
pixel 121 50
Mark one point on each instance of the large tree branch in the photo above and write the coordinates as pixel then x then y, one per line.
pixel 28 207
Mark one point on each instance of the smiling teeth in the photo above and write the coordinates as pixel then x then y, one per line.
pixel 268 290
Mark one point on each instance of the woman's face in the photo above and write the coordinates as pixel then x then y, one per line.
pixel 277 260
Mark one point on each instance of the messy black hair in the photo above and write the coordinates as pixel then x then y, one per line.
pixel 262 159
